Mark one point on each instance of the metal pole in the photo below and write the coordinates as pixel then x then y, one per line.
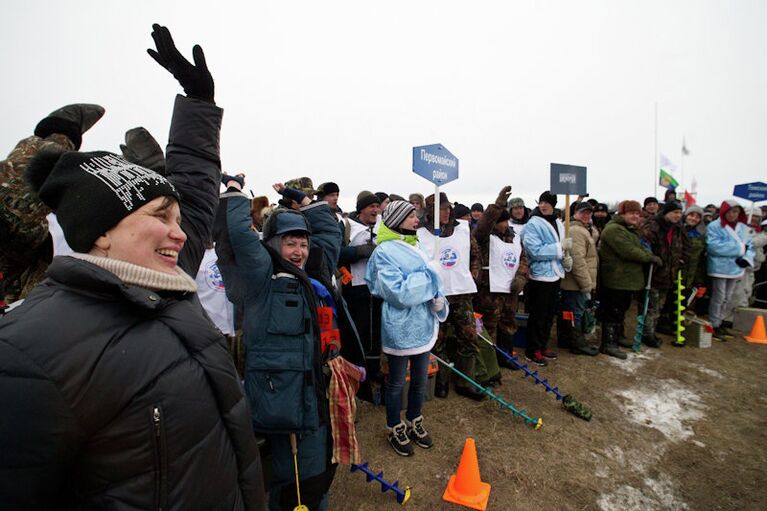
pixel 655 159
pixel 681 183
pixel 436 221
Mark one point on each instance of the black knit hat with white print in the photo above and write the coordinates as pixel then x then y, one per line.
pixel 91 192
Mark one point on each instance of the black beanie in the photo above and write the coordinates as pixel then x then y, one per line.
pixel 477 207
pixel 504 216
pixel 670 206
pixel 365 199
pixel 460 210
pixel 650 200
pixel 91 192
pixel 549 197
pixel 327 188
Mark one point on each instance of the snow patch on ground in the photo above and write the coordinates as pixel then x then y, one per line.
pixel 634 361
pixel 705 370
pixel 699 444
pixel 639 461
pixel 664 405
pixel 655 495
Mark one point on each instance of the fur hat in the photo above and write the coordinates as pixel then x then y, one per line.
pixel 303 184
pixel 629 206
pixel 91 192
pixel 516 202
pixel 443 200
pixel 396 212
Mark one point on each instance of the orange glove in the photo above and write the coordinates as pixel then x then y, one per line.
pixel 701 292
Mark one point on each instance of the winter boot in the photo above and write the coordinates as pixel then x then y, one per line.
pixel 464 388
pixel 580 346
pixel 71 121
pixel 564 332
pixel 417 433
pixel 399 440
pixel 609 345
pixel 621 337
pixel 442 383
pixel 506 343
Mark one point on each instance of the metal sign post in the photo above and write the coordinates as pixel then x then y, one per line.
pixel 439 166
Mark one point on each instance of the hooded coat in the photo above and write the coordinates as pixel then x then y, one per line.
pixel 726 243
pixel 543 248
pixel 583 276
pixel 621 255
pixel 399 274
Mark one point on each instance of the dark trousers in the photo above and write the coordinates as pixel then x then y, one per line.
pixel 398 371
pixel 613 304
pixel 541 305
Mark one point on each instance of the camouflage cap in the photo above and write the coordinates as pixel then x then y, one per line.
pixel 516 202
pixel 303 184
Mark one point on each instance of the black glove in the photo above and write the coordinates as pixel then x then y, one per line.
pixel 742 262
pixel 293 194
pixel 194 79
pixel 657 261
pixel 225 178
pixel 365 251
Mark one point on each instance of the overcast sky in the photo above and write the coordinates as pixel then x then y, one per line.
pixel 342 90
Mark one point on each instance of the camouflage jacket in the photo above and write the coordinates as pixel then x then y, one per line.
pixel 486 228
pixel 669 242
pixel 24 253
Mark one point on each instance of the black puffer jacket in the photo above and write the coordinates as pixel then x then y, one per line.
pixel 119 397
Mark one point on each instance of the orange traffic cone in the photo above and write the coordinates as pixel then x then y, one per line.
pixel 465 487
pixel 758 334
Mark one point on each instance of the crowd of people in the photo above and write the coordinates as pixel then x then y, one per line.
pixel 162 340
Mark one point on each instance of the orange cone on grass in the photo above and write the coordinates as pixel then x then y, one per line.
pixel 465 487
pixel 758 334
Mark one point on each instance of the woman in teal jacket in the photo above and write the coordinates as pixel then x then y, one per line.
pixel 284 377
pixel 414 305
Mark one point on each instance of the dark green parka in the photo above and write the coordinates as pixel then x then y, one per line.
pixel 621 255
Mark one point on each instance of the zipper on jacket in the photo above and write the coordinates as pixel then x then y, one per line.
pixel 269 382
pixel 160 459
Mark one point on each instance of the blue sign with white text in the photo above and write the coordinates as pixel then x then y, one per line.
pixel 754 192
pixel 435 163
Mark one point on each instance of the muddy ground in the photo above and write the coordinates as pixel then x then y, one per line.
pixel 673 428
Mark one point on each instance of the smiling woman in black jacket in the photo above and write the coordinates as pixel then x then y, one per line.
pixel 117 391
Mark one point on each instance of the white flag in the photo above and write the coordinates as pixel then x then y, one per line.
pixel 666 164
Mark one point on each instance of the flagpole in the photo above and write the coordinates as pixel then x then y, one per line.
pixel 655 160
pixel 681 183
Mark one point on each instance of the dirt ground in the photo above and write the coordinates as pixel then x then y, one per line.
pixel 673 428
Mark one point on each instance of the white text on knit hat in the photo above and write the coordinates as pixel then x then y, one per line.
pixel 125 179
